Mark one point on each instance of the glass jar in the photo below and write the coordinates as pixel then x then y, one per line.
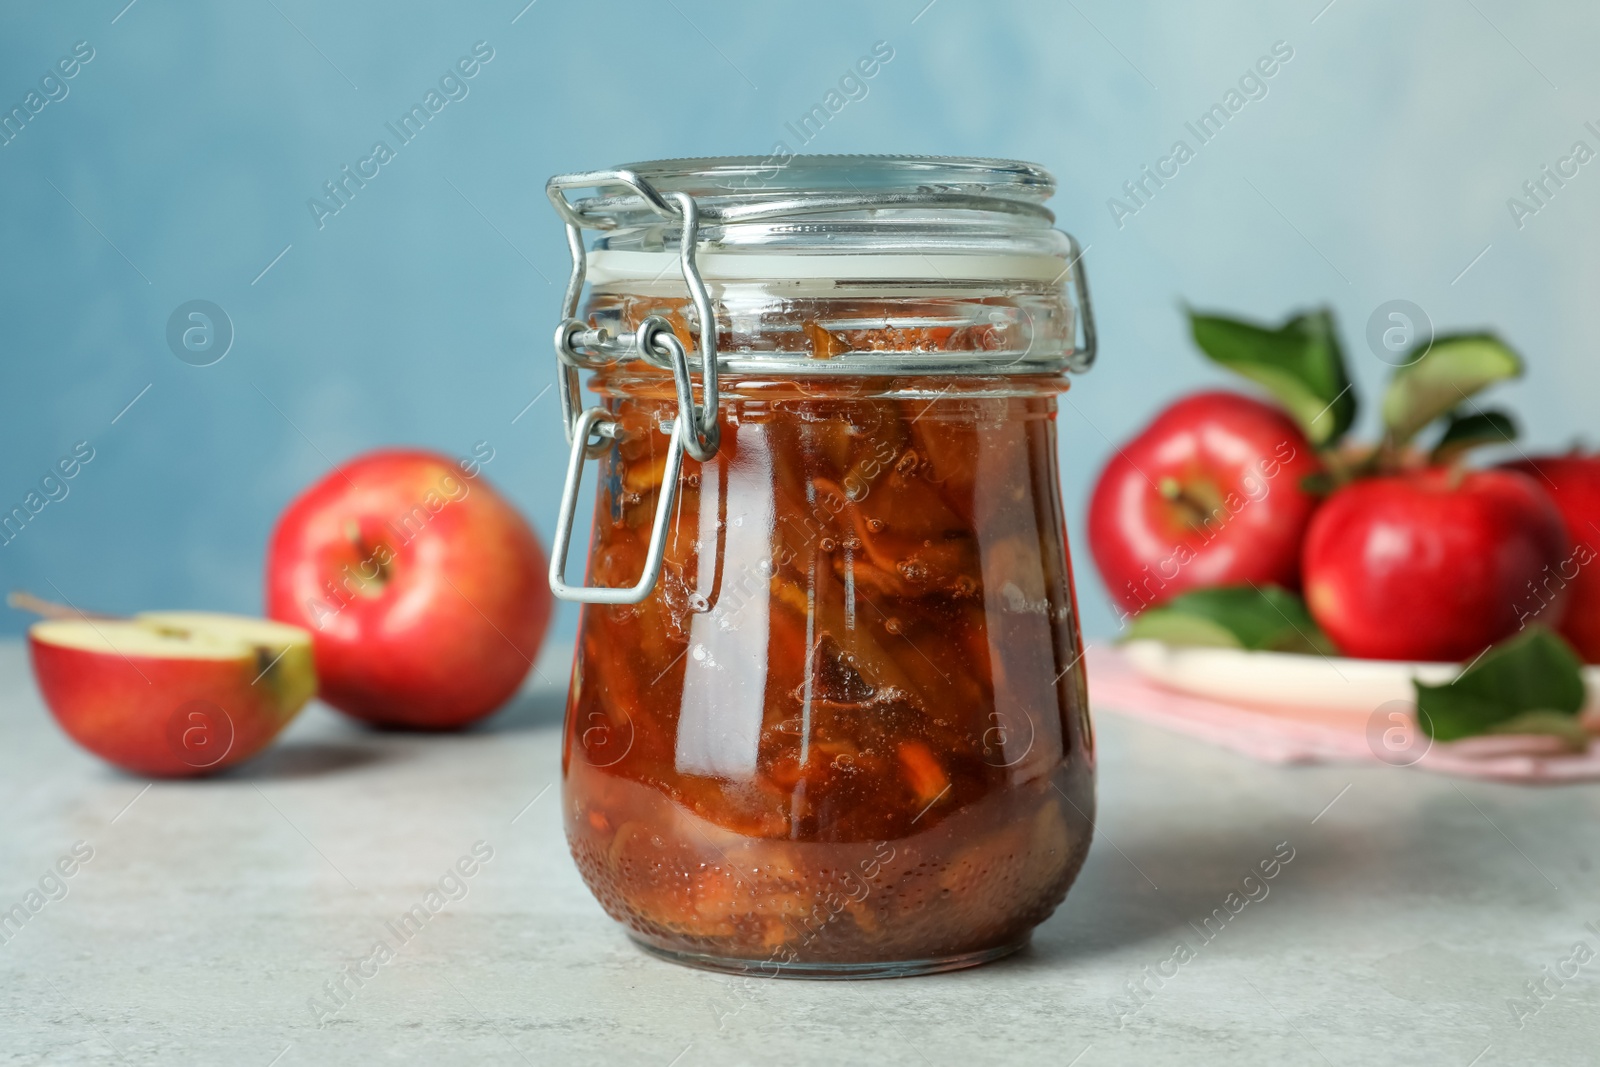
pixel 828 713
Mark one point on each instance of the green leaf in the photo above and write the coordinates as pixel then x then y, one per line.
pixel 1536 671
pixel 1467 432
pixel 1450 372
pixel 1257 618
pixel 1299 363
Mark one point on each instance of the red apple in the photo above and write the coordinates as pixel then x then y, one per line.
pixel 1573 482
pixel 424 590
pixel 173 694
pixel 1432 564
pixel 1208 494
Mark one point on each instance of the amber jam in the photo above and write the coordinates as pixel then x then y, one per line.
pixel 847 734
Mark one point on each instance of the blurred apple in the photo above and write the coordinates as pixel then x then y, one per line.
pixel 1573 482
pixel 423 588
pixel 1432 565
pixel 1210 493
pixel 173 694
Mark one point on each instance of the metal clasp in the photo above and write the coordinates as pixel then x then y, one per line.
pixel 695 430
pixel 598 420
pixel 1082 354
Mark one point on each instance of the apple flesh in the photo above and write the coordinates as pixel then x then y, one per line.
pixel 424 589
pixel 172 694
pixel 1210 493
pixel 1432 565
pixel 1573 482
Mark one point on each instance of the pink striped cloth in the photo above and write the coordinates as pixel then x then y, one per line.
pixel 1288 735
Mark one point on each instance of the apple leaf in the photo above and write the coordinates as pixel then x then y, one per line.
pixel 1466 432
pixel 1256 618
pixel 1300 364
pixel 1534 672
pixel 1451 371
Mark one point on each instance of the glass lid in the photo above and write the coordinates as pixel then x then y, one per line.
pixel 731 189
pixel 717 176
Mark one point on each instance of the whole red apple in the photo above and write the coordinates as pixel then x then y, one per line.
pixel 173 694
pixel 1210 493
pixel 1432 564
pixel 1573 482
pixel 423 589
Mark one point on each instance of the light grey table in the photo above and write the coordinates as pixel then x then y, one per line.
pixel 213 913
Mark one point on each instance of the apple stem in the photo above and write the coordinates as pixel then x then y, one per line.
pixel 1386 459
pixel 1173 491
pixel 369 553
pixel 1195 512
pixel 48 609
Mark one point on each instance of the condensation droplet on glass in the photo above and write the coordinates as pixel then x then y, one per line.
pixel 892 625
pixel 766 569
pixel 698 602
pixel 828 544
pixel 875 525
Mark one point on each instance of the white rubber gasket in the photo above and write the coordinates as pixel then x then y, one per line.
pixel 826 270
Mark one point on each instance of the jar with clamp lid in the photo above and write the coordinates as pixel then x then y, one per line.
pixel 828 715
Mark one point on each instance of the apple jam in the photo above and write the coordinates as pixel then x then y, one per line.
pixel 846 733
pixel 850 727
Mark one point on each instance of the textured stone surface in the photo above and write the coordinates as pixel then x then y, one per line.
pixel 212 912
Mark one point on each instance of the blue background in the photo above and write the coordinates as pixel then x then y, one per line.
pixel 1377 167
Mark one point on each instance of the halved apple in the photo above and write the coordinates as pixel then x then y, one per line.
pixel 172 693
